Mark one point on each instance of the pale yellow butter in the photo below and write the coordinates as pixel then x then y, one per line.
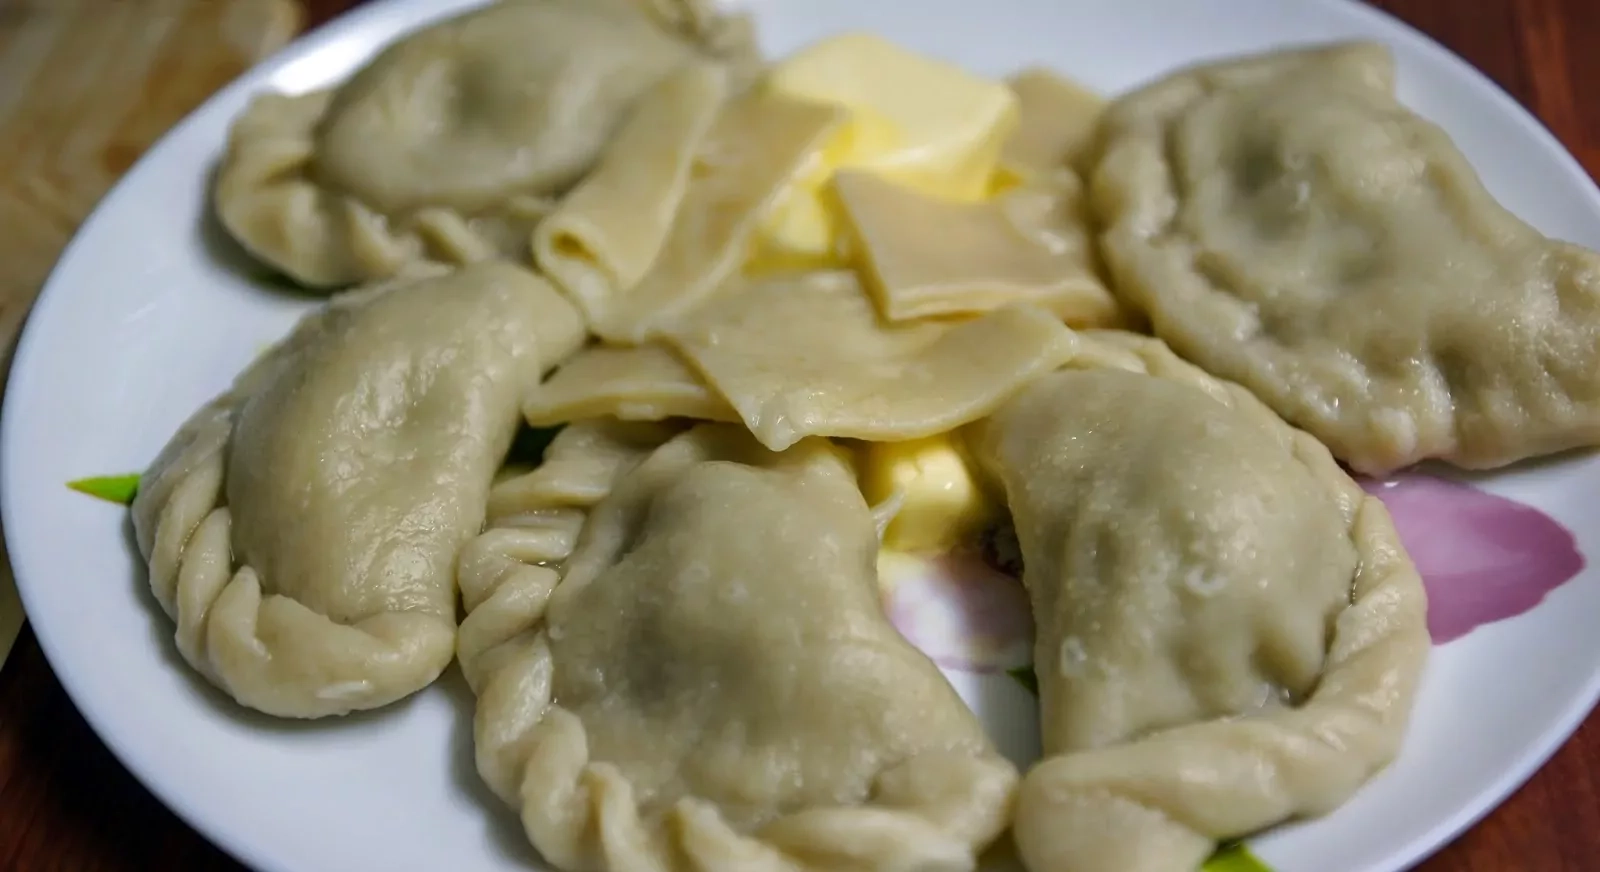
pixel 922 122
pixel 943 506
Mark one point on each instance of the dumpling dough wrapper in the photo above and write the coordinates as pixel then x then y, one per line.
pixel 1057 123
pixel 302 528
pixel 806 354
pixel 1230 634
pixel 713 684
pixel 649 382
pixel 454 142
pixel 748 159
pixel 608 231
pixel 535 516
pixel 924 256
pixel 1288 224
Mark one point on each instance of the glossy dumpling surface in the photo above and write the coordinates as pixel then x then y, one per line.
pixel 1229 633
pixel 1183 563
pixel 695 700
pixel 1287 224
pixel 507 572
pixel 578 468
pixel 302 528
pixel 450 145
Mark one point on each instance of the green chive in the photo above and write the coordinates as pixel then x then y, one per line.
pixel 1234 857
pixel 119 489
pixel 1025 676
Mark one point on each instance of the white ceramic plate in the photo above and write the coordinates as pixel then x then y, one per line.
pixel 150 313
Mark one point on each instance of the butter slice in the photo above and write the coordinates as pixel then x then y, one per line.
pixel 942 505
pixel 920 122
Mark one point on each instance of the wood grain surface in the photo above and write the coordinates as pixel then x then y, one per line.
pixel 66 804
pixel 85 87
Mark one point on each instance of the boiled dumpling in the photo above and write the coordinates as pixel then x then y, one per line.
pixel 805 354
pixel 302 528
pixel 1229 633
pixel 1184 562
pixel 713 684
pixel 507 571
pixel 578 467
pixel 451 144
pixel 1286 223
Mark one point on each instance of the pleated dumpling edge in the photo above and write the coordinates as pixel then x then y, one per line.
pixel 354 183
pixel 301 529
pixel 779 720
pixel 1201 677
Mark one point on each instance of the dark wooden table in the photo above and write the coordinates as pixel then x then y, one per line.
pixel 66 804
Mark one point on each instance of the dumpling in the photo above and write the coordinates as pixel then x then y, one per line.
pixel 451 144
pixel 1287 224
pixel 1184 563
pixel 924 256
pixel 535 516
pixel 806 355
pixel 302 528
pixel 1229 632
pixel 713 685
pixel 649 382
pixel 578 467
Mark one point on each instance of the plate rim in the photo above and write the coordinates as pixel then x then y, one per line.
pixel 100 719
pixel 1555 737
pixel 221 834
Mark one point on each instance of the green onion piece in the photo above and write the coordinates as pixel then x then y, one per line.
pixel 1024 675
pixel 1234 857
pixel 119 489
